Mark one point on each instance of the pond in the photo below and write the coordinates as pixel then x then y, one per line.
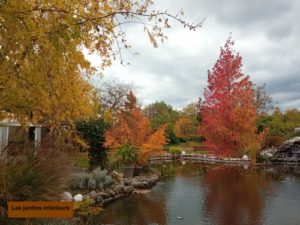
pixel 204 194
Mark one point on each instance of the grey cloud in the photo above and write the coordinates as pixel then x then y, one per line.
pixel 241 13
pixel 266 34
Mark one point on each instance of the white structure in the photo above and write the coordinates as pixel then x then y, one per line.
pixel 6 124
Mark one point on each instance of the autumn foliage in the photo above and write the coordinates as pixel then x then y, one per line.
pixel 186 128
pixel 133 128
pixel 228 112
pixel 44 72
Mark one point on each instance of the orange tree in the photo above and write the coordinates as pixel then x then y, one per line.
pixel 229 112
pixel 132 128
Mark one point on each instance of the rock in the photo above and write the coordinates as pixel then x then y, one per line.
pixel 103 195
pixel 245 157
pixel 134 183
pixel 117 176
pixel 99 200
pixel 93 194
pixel 67 197
pixel 115 190
pixel 297 130
pixel 268 153
pixel 119 188
pixel 109 193
pixel 112 192
pixel 145 184
pixel 291 141
pixel 128 189
pixel 288 151
pixel 122 186
pixel 107 200
pixel 78 198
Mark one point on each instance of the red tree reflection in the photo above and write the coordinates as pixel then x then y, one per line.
pixel 234 196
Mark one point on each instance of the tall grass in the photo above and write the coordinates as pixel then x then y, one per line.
pixel 34 175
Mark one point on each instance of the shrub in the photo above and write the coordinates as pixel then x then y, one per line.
pixel 96 179
pixel 99 175
pixel 128 153
pixel 175 150
pixel 273 141
pixel 108 182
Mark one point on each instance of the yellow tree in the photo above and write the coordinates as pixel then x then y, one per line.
pixel 186 128
pixel 43 71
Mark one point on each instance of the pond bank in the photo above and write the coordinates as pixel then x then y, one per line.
pixel 203 158
pixel 125 187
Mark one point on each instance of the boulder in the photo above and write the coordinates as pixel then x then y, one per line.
pixel 117 176
pixel 78 198
pixel 67 197
pixel 245 157
pixel 145 184
pixel 99 200
pixel 288 151
pixel 121 186
pixel 297 130
pixel 268 153
pixel 93 194
pixel 103 195
pixel 107 200
pixel 109 193
pixel 128 189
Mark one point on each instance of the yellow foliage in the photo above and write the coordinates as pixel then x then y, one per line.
pixel 186 128
pixel 43 71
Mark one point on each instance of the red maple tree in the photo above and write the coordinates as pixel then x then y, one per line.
pixel 228 111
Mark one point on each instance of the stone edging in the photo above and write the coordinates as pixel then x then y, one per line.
pixel 127 186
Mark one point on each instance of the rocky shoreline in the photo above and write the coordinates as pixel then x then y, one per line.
pixel 124 187
pixel 287 152
pixel 127 186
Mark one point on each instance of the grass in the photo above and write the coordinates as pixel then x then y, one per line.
pixel 32 175
pixel 187 147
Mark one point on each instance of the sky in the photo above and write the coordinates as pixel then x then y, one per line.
pixel 266 34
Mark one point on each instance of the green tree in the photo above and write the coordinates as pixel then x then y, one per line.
pixel 92 132
pixel 161 113
pixel 191 111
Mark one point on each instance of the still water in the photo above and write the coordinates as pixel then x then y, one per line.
pixel 196 193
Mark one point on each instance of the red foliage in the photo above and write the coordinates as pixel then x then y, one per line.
pixel 228 111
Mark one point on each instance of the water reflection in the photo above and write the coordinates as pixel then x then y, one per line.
pixel 235 195
pixel 209 194
pixel 139 209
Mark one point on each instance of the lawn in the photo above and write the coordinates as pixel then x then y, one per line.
pixel 188 147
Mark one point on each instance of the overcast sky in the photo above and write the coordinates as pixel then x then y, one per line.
pixel 266 34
